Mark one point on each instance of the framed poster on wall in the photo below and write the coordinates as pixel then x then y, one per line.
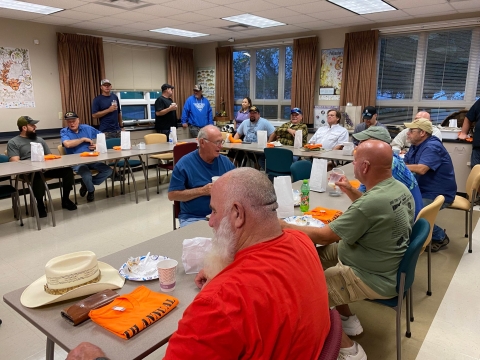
pixel 206 78
pixel 331 74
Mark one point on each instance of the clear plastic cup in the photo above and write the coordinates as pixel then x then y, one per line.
pixel 335 175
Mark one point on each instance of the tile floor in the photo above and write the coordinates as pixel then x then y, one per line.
pixel 108 225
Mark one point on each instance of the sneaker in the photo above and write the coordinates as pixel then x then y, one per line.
pixel 351 325
pixel 439 245
pixel 83 189
pixel 68 204
pixel 118 177
pixel 346 354
pixel 42 212
pixel 91 196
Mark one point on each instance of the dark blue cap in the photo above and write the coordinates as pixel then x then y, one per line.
pixel 296 110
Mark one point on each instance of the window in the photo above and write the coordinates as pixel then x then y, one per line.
pixel 132 95
pixel 435 71
pixel 134 112
pixel 265 75
pixel 138 105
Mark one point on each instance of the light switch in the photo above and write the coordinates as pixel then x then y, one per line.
pixel 60 115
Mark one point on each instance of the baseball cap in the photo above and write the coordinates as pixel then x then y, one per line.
pixel 105 81
pixel 26 120
pixel 70 115
pixel 197 87
pixel 374 132
pixel 296 110
pixel 253 108
pixel 422 124
pixel 368 112
pixel 167 86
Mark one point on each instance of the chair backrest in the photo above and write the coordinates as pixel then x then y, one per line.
pixel 181 150
pixel 331 346
pixel 3 158
pixel 473 181
pixel 429 213
pixel 155 138
pixel 61 150
pixel 224 135
pixel 420 232
pixel 278 160
pixel 301 170
pixel 113 142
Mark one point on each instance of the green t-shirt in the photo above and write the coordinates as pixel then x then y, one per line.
pixel 375 232
pixel 20 146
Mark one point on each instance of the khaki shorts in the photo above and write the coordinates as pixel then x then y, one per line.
pixel 344 286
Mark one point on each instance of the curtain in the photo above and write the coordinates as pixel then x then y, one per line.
pixel 224 80
pixel 304 71
pixel 181 75
pixel 81 67
pixel 359 81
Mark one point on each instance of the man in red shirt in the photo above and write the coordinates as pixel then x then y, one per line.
pixel 263 292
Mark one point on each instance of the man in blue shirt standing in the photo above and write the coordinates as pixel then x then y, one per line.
pixel 191 180
pixel 106 108
pixel 78 138
pixel 197 112
pixel 433 168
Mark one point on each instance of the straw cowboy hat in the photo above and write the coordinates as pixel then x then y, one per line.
pixel 70 276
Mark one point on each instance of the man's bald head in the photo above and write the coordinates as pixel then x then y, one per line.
pixel 422 115
pixel 208 131
pixel 373 162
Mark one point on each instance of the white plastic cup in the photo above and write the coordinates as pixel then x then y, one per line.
pixel 167 270
pixel 335 175
pixel 215 178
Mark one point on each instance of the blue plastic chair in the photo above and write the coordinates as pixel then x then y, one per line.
pixel 405 277
pixel 278 162
pixel 301 170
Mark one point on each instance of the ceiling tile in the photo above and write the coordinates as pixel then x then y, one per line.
pixel 77 15
pixel 388 15
pixel 257 5
pixel 16 14
pixel 134 16
pixel 99 9
pixel 189 5
pixel 222 2
pixel 141 26
pixel 279 13
pixel 220 12
pixel 466 5
pixel 62 4
pixel 159 23
pixel 316 25
pixel 160 11
pixel 318 6
pixel 120 30
pixel 91 25
pixel 297 19
pixel 405 4
pixel 56 20
pixel 108 20
pixel 196 27
pixel 425 10
pixel 286 3
pixel 190 17
pixel 336 14
pixel 216 23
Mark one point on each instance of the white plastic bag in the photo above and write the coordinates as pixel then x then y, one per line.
pixel 36 152
pixel 101 144
pixel 173 132
pixel 194 251
pixel 318 176
pixel 262 139
pixel 125 140
pixel 298 139
pixel 283 190
pixel 348 148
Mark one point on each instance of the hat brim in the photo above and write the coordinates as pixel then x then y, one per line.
pixel 34 295
pixel 361 137
pixel 33 122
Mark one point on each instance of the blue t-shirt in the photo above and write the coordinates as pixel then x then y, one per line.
pixel 440 178
pixel 84 131
pixel 192 172
pixel 402 173
pixel 250 129
pixel 197 112
pixel 109 122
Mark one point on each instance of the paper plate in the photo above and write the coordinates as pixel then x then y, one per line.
pixel 304 220
pixel 123 271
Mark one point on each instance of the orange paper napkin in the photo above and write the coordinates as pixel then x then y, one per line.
pixel 93 153
pixel 117 148
pixel 52 157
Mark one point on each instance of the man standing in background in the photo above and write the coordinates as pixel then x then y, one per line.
pixel 197 112
pixel 165 111
pixel 106 108
pixel 473 116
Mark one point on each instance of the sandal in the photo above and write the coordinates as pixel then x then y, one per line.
pixel 438 245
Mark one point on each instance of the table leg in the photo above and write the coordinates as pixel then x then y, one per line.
pixel 145 174
pixel 133 179
pixel 50 350
pixel 50 203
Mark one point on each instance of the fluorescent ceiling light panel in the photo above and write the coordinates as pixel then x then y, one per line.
pixel 253 20
pixel 362 7
pixel 178 32
pixel 28 7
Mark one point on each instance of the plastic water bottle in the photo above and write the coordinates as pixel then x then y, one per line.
pixel 305 196
pixel 170 138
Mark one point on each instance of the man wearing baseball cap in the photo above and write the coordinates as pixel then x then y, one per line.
pixel 286 133
pixel 78 138
pixel 399 170
pixel 197 112
pixel 165 111
pixel 369 116
pixel 433 168
pixel 18 149
pixel 106 108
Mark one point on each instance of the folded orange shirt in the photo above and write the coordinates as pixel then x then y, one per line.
pixel 93 153
pixel 141 308
pixel 355 183
pixel 52 157
pixel 117 148
pixel 323 214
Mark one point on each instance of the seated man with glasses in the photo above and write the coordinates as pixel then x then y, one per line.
pixel 191 180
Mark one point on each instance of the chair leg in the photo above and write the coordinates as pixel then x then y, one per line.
pixel 75 192
pixel 145 174
pixel 466 224
pixel 47 192
pixel 411 305
pixel 408 307
pixel 470 215
pixel 157 171
pixel 25 198
pixel 429 268
pixel 398 326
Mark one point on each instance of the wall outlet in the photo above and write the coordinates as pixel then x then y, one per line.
pixel 60 115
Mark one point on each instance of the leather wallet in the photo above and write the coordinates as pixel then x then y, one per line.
pixel 78 312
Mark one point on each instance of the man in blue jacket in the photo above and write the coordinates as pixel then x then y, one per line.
pixel 433 168
pixel 197 112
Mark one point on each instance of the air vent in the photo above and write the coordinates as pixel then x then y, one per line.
pixel 237 27
pixel 124 4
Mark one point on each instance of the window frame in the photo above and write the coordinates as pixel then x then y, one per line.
pixel 147 101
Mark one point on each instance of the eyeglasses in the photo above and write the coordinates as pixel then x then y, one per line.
pixel 217 143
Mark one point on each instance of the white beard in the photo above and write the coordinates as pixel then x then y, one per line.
pixel 222 253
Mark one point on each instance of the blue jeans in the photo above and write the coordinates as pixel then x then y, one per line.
pixel 185 222
pixel 438 234
pixel 104 171
pixel 475 158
